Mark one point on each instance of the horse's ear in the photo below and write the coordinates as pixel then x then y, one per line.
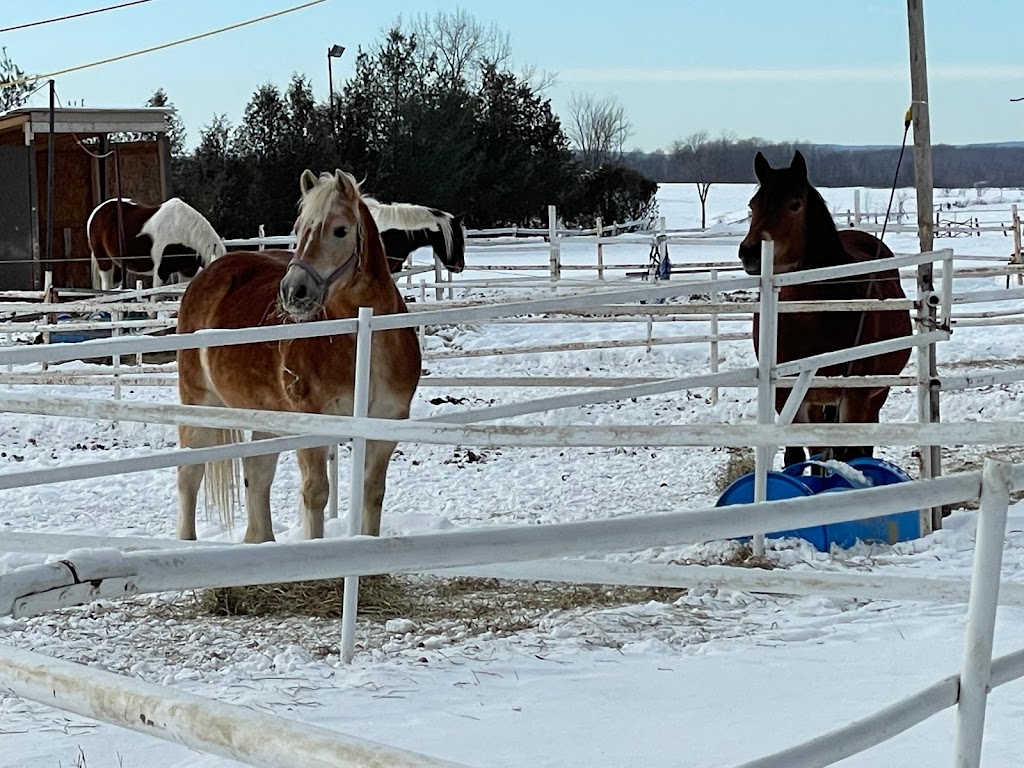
pixel 307 181
pixel 347 183
pixel 761 167
pixel 799 165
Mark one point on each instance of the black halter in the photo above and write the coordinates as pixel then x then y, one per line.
pixel 323 283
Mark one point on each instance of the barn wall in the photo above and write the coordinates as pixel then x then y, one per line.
pixel 73 201
pixel 77 193
pixel 15 219
pixel 140 173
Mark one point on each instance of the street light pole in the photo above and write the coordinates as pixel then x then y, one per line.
pixel 334 52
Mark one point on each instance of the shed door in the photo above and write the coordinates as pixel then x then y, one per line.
pixel 15 220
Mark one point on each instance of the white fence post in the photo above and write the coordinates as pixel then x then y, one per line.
pixel 856 208
pixel 261 233
pixel 360 405
pixel 438 284
pixel 600 249
pixel 714 334
pixel 47 299
pixel 138 299
pixel 662 243
pixel 1018 258
pixel 975 678
pixel 554 255
pixel 763 455
pixel 115 331
pixel 332 482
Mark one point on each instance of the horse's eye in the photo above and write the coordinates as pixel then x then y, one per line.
pixel 795 206
pixel 340 231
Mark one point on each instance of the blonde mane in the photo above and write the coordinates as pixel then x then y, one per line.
pixel 175 221
pixel 407 216
pixel 315 205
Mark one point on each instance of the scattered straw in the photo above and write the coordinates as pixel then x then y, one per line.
pixel 740 462
pixel 477 604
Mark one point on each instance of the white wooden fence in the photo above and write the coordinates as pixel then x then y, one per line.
pixel 85 576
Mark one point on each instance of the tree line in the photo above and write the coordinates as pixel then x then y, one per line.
pixel 434 114
pixel 702 159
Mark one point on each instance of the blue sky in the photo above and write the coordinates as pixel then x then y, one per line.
pixel 813 70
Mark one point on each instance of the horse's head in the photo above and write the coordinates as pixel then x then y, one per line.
pixel 455 260
pixel 217 249
pixel 331 234
pixel 778 212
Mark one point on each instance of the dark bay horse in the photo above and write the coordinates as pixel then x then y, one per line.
pixel 163 240
pixel 404 227
pixel 789 211
pixel 338 266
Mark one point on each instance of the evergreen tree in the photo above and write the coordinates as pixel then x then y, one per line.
pixel 12 96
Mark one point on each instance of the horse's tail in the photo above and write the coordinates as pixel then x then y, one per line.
pixel 222 479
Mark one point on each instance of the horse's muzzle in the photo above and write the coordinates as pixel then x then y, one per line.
pixel 299 294
pixel 750 257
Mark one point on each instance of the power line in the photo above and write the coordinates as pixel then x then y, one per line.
pixel 72 16
pixel 211 33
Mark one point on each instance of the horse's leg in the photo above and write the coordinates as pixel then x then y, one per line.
pixel 259 476
pixel 860 406
pixel 315 489
pixel 156 255
pixel 378 454
pixel 792 454
pixel 104 266
pixel 190 476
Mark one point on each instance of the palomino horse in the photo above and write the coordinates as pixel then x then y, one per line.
pixel 161 241
pixel 404 227
pixel 789 211
pixel 338 266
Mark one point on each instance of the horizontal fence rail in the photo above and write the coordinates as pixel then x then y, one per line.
pixel 225 730
pixel 231 566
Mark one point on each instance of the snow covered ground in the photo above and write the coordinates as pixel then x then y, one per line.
pixel 596 679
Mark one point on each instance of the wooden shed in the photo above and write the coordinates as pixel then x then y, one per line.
pixel 87 170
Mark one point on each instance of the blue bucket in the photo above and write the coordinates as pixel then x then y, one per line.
pixel 780 486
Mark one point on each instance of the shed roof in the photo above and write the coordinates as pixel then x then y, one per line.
pixel 84 121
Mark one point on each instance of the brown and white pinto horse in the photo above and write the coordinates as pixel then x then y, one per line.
pixel 339 265
pixel 164 240
pixel 789 211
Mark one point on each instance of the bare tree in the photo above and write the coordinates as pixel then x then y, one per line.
pixel 462 45
pixel 598 127
pixel 700 155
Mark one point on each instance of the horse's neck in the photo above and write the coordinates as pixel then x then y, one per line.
pixel 375 289
pixel 822 250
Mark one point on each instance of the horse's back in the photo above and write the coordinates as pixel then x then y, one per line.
pixel 238 290
pixel 862 247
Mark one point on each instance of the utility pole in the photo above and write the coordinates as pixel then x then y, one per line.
pixel 928 411
pixel 922 124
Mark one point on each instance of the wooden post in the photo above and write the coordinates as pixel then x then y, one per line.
pixel 600 248
pixel 163 144
pixel 928 401
pixel 51 163
pixel 261 232
pixel 856 208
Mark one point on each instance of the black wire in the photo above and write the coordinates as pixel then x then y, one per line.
pixel 72 16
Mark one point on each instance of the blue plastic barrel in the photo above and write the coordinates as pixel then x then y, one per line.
pixel 780 486
pixel 886 529
pixel 792 482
